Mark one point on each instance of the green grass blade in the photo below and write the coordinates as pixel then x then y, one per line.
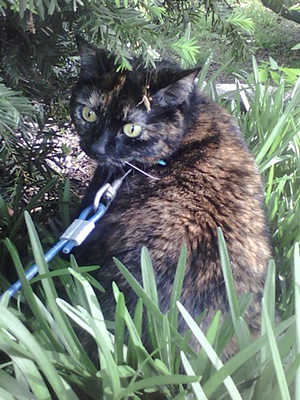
pixel 5 299
pixel 229 282
pixel 119 330
pixel 4 395
pixel 149 285
pixel 177 287
pixel 290 376
pixel 33 377
pixel 227 329
pixel 181 396
pixel 137 322
pixel 239 359
pixel 148 303
pixel 266 372
pixel 73 344
pixel 297 312
pixel 30 295
pixel 165 345
pixel 202 361
pixel 65 205
pixel 278 127
pixel 197 389
pixel 141 355
pixel 20 332
pixel 269 296
pixel 238 323
pixel 15 388
pixel 217 363
pixel 148 276
pixel 105 351
pixel 11 348
pixel 203 73
pixel 93 307
pixel 155 382
pixel 176 295
pixel 275 355
pixel 76 315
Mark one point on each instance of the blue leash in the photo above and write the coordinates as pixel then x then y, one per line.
pixel 78 231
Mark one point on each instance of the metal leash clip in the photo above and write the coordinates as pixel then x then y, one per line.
pixel 80 228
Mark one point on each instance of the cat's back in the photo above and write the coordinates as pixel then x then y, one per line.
pixel 211 181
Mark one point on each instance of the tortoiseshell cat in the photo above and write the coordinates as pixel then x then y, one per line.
pixel 210 180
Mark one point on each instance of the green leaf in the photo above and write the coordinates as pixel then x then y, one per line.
pixel 33 377
pixel 217 363
pixel 71 341
pixel 275 354
pixel 279 125
pixel 119 329
pixel 177 287
pixel 15 388
pixel 199 393
pixel 155 382
pixel 21 333
pixel 22 7
pixel 297 47
pixel 239 359
pixel 297 312
pixel 269 296
pixel 148 303
pixel 241 21
pixel 30 296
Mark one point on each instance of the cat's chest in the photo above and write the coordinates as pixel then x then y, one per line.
pixel 164 187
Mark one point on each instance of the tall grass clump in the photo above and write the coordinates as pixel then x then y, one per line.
pixel 41 353
pixel 270 125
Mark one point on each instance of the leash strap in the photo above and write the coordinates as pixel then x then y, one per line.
pixel 79 229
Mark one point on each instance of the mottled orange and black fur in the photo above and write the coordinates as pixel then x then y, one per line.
pixel 210 180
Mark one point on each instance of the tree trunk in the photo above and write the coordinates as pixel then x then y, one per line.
pixel 279 8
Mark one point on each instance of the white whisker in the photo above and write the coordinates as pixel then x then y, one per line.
pixel 141 171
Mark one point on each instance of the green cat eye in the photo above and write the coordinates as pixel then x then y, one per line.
pixel 132 130
pixel 88 114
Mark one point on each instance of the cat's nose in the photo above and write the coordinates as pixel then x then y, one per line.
pixel 99 147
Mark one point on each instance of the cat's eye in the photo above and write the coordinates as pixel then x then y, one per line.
pixel 132 130
pixel 88 114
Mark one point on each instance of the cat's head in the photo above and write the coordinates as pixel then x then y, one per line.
pixel 136 116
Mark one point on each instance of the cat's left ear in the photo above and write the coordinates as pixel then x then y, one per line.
pixel 94 61
pixel 87 52
pixel 183 83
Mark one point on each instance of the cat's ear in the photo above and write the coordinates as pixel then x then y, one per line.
pixel 94 61
pixel 183 83
pixel 87 53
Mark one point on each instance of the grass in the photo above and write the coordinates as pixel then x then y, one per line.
pixel 271 37
pixel 44 358
pixel 56 366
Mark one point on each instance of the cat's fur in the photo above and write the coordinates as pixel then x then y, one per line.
pixel 210 180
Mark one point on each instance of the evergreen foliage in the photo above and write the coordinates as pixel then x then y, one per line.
pixel 44 359
pixel 39 59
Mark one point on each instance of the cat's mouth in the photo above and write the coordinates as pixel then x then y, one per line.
pixel 107 160
pixel 125 165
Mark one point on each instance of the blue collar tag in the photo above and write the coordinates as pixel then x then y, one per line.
pixel 162 162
